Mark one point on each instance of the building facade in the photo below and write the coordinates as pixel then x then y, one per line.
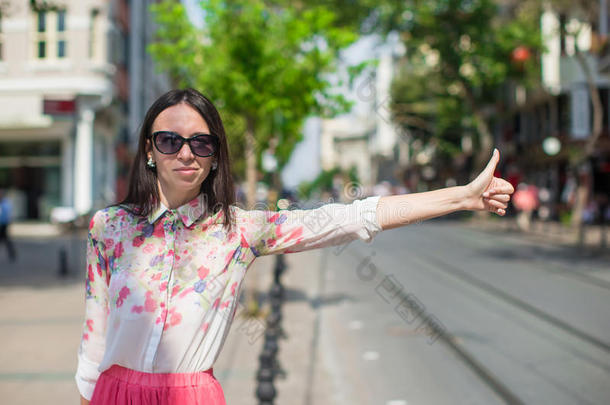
pixel 67 122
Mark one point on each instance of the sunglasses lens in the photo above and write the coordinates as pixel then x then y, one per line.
pixel 168 143
pixel 203 146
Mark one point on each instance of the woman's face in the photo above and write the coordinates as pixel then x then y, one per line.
pixel 180 174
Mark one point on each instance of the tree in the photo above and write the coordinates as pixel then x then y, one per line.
pixel 263 63
pixel 465 49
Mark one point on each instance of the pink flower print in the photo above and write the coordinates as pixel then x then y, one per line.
pixel 296 233
pixel 90 325
pixel 138 240
pixel 225 304
pixel 109 243
pixel 91 223
pixel 156 277
pixel 122 295
pixel 203 272
pixel 162 317
pixel 233 287
pixel 244 243
pixel 86 336
pixel 175 290
pixel 163 286
pixel 186 291
pixel 118 250
pixel 137 309
pixel 149 248
pixel 90 274
pixel 216 302
pixel 205 326
pixel 175 318
pixel 158 231
pixel 149 304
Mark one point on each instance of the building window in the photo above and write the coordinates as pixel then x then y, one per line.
pixel 50 37
pixel 61 49
pixel 42 21
pixel 42 49
pixel 93 33
pixel 61 20
pixel 61 33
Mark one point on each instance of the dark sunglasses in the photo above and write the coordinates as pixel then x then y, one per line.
pixel 168 143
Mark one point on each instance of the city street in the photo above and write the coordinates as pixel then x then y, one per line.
pixel 522 322
pixel 529 322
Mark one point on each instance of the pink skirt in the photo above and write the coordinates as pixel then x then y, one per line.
pixel 123 386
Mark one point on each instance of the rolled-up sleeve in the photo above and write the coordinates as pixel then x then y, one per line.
pixel 92 345
pixel 286 231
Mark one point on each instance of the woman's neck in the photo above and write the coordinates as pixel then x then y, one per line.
pixel 174 198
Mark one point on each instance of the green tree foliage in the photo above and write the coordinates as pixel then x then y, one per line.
pixel 264 64
pixel 459 59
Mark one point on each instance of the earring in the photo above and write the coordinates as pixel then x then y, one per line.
pixel 150 163
pixel 214 165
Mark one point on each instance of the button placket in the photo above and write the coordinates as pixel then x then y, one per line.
pixel 169 228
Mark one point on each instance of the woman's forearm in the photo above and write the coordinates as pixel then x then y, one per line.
pixel 83 401
pixel 404 209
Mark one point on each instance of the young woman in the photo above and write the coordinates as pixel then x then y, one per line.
pixel 165 266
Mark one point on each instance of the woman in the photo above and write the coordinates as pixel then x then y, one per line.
pixel 164 267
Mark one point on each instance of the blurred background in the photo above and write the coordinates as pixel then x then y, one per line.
pixel 332 101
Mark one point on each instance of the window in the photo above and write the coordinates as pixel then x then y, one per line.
pixel 42 21
pixel 50 36
pixel 61 33
pixel 93 34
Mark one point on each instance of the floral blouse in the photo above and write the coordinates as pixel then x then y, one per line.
pixel 161 292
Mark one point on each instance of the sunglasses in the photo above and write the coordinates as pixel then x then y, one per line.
pixel 168 143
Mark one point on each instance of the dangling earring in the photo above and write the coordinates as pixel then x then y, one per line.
pixel 150 163
pixel 214 165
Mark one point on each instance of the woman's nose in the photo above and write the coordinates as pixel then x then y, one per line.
pixel 185 152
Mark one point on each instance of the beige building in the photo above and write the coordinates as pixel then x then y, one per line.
pixel 65 97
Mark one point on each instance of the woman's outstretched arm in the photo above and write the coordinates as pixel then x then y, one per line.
pixel 485 193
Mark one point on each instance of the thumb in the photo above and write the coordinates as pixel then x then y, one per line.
pixel 493 162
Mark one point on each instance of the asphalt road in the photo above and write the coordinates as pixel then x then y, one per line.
pixel 492 319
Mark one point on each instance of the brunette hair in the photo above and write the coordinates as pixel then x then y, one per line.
pixel 218 188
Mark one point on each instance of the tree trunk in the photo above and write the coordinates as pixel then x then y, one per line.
pixel 251 290
pixel 583 188
pixel 485 137
pixel 250 164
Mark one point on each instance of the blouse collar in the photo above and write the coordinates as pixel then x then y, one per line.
pixel 189 212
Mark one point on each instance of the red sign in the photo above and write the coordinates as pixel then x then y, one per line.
pixel 58 107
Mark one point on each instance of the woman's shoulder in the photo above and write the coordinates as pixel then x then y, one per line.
pixel 110 216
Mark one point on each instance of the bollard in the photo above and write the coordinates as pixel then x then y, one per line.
pixel 269 366
pixel 63 262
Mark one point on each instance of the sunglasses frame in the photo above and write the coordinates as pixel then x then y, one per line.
pixel 184 140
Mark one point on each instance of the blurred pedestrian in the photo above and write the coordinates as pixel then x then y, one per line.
pixel 6 210
pixel 525 201
pixel 165 266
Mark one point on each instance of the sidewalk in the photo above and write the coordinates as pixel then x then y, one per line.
pixel 552 232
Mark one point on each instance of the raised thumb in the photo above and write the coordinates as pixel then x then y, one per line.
pixel 493 162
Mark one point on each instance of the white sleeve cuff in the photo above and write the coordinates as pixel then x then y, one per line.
pixel 86 376
pixel 368 215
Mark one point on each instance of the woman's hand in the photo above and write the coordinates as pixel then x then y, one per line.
pixel 488 193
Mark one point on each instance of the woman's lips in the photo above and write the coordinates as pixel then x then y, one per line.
pixel 186 171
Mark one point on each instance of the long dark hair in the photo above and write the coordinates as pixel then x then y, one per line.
pixel 218 188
